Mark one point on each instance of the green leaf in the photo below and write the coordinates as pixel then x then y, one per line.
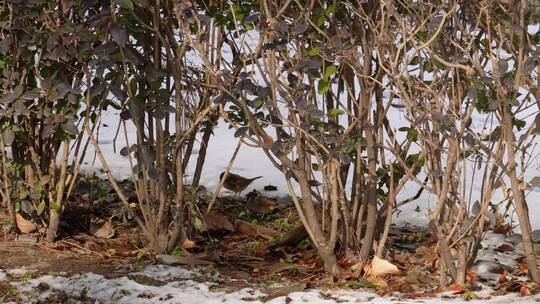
pixel 470 295
pixel 133 85
pixel 416 60
pixel 313 50
pixel 323 86
pixel 329 71
pixel 177 251
pixel 55 207
pixel 319 16
pixel 126 4
pixel 412 134
pixel 335 112
pixel 198 223
pixel 23 195
pixel 520 124
pixel 41 207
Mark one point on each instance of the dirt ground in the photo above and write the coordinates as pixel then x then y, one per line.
pixel 26 253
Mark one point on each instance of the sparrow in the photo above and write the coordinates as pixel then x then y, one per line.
pixel 260 204
pixel 235 182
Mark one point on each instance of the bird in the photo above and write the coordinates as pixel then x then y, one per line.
pixel 260 204
pixel 235 182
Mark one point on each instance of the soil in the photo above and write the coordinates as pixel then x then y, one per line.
pixel 26 253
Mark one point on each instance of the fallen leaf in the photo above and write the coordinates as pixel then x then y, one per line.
pixel 381 267
pixel 456 288
pixel 471 276
pixel 401 259
pixel 524 291
pixel 412 277
pixel 24 225
pixel 188 244
pixel 502 277
pixel 377 281
pixel 504 248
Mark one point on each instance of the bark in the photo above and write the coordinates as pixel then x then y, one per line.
pixel 371 197
pixel 519 198
pixel 55 213
pixel 201 157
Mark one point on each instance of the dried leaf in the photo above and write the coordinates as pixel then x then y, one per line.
pixel 504 248
pixel 456 288
pixel 45 179
pixel 188 244
pixel 502 277
pixel 24 225
pixel 377 281
pixel 524 291
pixel 381 267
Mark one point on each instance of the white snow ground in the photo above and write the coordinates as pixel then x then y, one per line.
pixel 179 286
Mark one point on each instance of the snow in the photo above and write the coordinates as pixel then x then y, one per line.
pixel 18 271
pixel 164 272
pixel 179 287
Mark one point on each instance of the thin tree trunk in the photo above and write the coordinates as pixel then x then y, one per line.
pixel 56 211
pixel 371 197
pixel 6 185
pixel 519 199
pixel 202 152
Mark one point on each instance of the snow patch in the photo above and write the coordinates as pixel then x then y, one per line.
pixel 182 289
pixel 18 271
pixel 166 273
